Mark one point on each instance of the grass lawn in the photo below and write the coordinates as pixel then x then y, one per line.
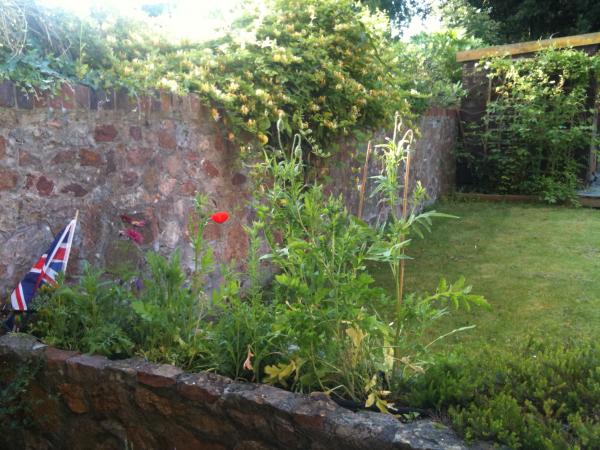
pixel 538 266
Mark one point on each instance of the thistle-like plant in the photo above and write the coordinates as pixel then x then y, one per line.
pixel 405 220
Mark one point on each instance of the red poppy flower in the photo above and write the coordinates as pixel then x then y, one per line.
pixel 220 217
pixel 133 235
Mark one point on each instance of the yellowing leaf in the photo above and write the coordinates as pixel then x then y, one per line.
pixel 370 400
pixel 356 334
pixel 371 384
pixel 382 406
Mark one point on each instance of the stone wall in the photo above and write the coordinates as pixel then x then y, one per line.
pixel 104 155
pixel 88 402
pixel 433 163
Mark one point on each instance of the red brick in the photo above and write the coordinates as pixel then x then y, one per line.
pixel 149 401
pixel 237 243
pixel 189 188
pixel 202 387
pixel 64 98
pixel 65 156
pixel 105 133
pixel 26 158
pixel 195 104
pixel 166 102
pixel 74 397
pixel 138 156
pixel 166 139
pixel 135 133
pixel 238 179
pixel 90 158
pixel 213 231
pixel 44 186
pixel 173 164
pixel 86 367
pixel 57 358
pixel 209 168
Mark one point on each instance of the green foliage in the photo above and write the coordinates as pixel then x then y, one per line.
pixel 15 406
pixel 405 221
pixel 428 68
pixel 168 314
pixel 400 11
pixel 474 21
pixel 516 20
pixel 536 133
pixel 325 67
pixel 324 299
pixel 91 316
pixel 540 395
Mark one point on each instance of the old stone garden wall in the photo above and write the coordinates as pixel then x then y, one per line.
pixel 433 163
pixel 89 402
pixel 105 155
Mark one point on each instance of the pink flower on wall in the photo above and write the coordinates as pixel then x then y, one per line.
pixel 132 234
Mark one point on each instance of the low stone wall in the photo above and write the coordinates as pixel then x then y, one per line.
pixel 89 402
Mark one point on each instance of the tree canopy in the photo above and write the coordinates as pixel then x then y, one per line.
pixel 518 20
pixel 400 11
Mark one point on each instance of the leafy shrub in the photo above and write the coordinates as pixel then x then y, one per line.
pixel 325 67
pixel 541 395
pixel 429 67
pixel 325 302
pixel 91 316
pixel 536 133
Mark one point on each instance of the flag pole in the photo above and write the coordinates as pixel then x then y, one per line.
pixel 68 253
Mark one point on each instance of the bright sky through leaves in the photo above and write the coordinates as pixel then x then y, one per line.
pixel 193 19
pixel 199 19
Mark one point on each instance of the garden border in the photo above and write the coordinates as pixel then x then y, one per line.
pixel 160 406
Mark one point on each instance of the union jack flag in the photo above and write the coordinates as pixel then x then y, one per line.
pixel 46 269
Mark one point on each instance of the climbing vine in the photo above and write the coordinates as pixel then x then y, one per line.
pixel 537 129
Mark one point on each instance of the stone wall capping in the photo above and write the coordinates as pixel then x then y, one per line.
pixel 162 406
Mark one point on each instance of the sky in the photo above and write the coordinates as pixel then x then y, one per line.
pixel 195 19
pixel 200 19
